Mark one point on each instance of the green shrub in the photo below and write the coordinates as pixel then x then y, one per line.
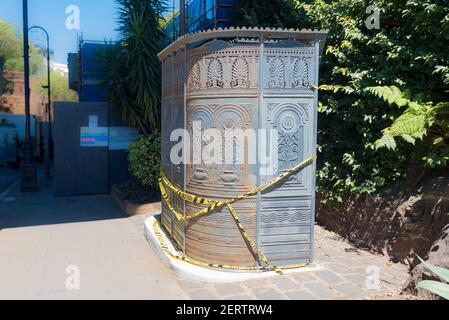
pixel 145 160
pixel 383 104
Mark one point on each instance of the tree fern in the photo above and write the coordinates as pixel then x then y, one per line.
pixel 416 120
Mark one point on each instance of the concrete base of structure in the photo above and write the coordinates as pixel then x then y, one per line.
pixel 192 272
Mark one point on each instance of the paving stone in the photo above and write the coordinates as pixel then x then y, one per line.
pixel 321 290
pixel 351 263
pixel 396 273
pixel 357 280
pixel 329 277
pixel 258 283
pixel 228 289
pixel 191 285
pixel 202 294
pixel 351 292
pixel 360 269
pixel 338 268
pixel 300 295
pixel 303 277
pixel 240 297
pixel 375 260
pixel 331 254
pixel 268 293
pixel 284 283
pixel 343 276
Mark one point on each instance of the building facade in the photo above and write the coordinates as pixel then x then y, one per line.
pixel 185 16
pixel 84 76
pixel 12 100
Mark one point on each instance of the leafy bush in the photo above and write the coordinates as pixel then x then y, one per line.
pixel 269 13
pixel 419 119
pixel 145 160
pixel 379 85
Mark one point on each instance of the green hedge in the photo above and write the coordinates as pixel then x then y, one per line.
pixel 384 112
pixel 145 160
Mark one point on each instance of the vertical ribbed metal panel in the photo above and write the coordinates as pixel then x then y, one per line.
pixel 172 119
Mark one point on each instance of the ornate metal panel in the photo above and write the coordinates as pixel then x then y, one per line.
pixel 247 84
pixel 285 224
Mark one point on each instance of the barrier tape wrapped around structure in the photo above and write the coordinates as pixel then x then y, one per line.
pixel 213 205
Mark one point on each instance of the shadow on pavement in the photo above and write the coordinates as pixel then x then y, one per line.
pixel 7 178
pixel 43 208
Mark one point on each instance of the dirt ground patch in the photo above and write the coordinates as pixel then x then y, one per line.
pixel 394 223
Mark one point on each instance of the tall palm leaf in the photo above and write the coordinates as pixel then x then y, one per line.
pixel 131 68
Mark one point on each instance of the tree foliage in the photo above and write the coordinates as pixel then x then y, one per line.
pixel 269 13
pixel 11 49
pixel 383 105
pixel 131 67
pixel 59 87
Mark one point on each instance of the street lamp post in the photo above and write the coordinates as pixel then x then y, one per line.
pixel 28 168
pixel 48 111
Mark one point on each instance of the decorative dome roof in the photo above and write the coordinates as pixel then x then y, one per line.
pixel 305 35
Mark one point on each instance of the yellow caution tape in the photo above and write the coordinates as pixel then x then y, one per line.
pixel 214 205
pixel 255 248
pixel 158 233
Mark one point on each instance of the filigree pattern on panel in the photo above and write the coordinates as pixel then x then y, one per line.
pixel 195 77
pixel 215 74
pixel 240 73
pixel 223 217
pixel 291 216
pixel 276 72
pixel 232 68
pixel 201 117
pixel 288 69
pixel 301 77
pixel 223 118
pixel 301 204
pixel 289 120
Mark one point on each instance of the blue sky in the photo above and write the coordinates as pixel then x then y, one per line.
pixel 97 22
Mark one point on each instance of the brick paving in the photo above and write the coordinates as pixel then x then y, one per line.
pixel 345 273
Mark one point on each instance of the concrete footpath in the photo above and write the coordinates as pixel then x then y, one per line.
pixel 45 242
pixel 85 248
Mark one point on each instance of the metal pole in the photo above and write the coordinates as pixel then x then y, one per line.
pixel 49 117
pixel 26 63
pixel 28 169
